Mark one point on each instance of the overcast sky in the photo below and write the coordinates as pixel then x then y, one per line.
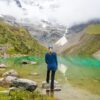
pixel 66 12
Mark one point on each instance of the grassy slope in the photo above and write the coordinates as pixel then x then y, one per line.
pixel 18 40
pixel 93 29
pixel 89 42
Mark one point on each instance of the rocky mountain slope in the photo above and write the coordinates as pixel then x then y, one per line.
pixel 79 27
pixel 43 31
pixel 87 43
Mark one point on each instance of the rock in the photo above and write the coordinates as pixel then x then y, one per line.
pixel 3 66
pixel 12 89
pixel 33 63
pixel 46 85
pixel 9 76
pixel 9 79
pixel 10 73
pixel 25 83
pixel 25 62
pixel 44 82
pixel 28 62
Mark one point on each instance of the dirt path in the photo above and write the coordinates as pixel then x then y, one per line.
pixel 72 93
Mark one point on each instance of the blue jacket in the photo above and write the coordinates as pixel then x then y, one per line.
pixel 51 61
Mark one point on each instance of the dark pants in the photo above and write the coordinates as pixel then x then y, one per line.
pixel 52 78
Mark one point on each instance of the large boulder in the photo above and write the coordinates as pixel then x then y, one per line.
pixel 11 72
pixel 25 83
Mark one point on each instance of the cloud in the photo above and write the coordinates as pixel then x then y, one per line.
pixel 65 12
pixel 7 8
pixel 76 11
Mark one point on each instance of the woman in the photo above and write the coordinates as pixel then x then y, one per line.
pixel 52 64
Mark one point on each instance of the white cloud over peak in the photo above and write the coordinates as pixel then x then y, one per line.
pixel 66 12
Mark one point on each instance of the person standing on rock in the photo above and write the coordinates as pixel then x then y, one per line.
pixel 52 64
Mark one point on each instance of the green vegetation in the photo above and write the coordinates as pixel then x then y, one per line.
pixel 2 89
pixel 89 43
pixel 93 29
pixel 17 40
pixel 25 71
pixel 25 95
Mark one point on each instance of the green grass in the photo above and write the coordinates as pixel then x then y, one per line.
pixel 2 89
pixel 25 95
pixel 93 29
pixel 18 40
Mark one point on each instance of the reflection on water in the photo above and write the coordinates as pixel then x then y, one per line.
pixel 82 78
pixel 82 61
pixel 80 66
pixel 62 68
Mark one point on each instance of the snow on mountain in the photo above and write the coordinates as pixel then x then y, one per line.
pixel 46 32
pixel 62 41
pixel 27 9
pixel 18 3
pixel 1 16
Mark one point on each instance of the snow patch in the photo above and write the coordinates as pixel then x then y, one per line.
pixel 62 41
